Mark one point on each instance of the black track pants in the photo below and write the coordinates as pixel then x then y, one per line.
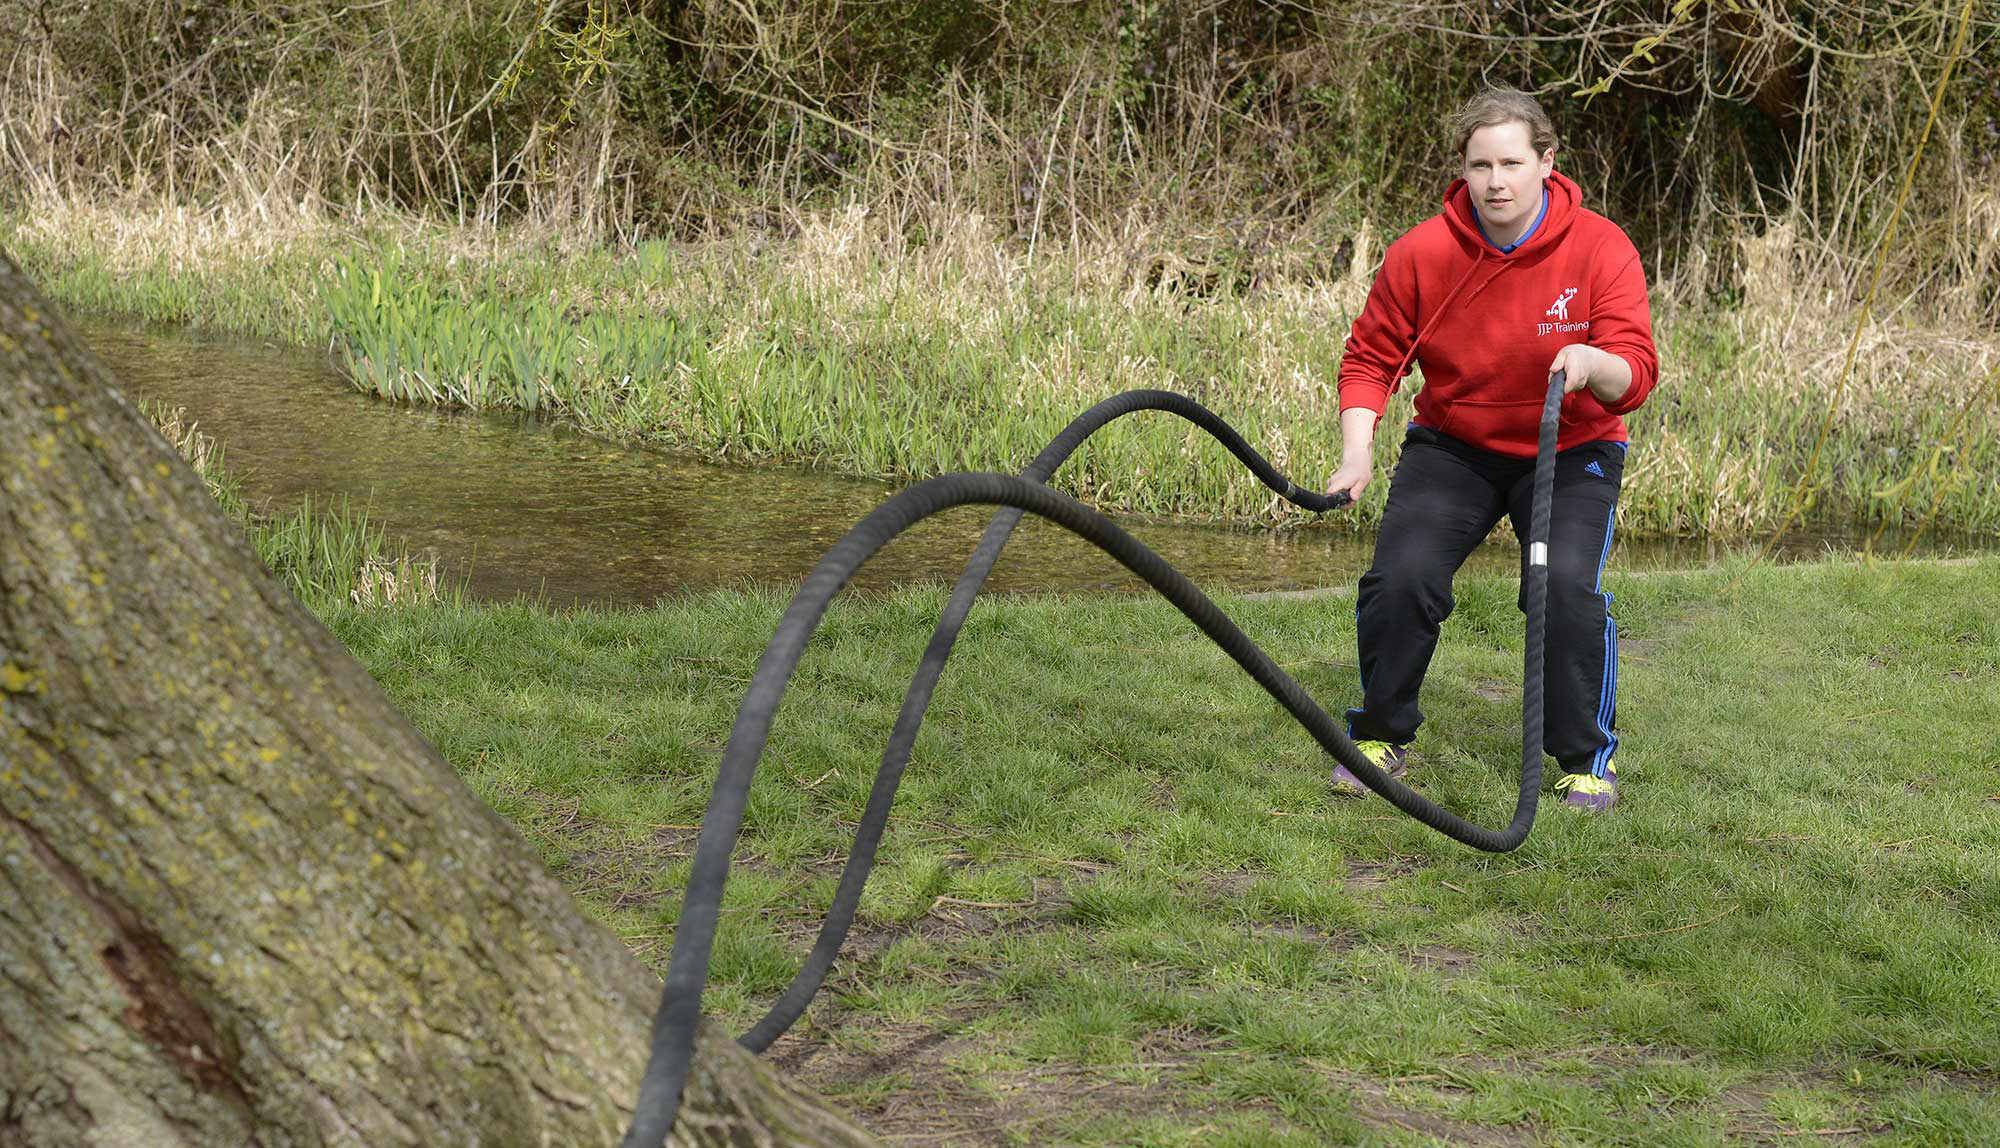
pixel 1445 498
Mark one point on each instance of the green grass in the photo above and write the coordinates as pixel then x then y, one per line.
pixel 1116 904
pixel 856 350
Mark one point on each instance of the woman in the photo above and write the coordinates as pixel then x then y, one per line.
pixel 1510 283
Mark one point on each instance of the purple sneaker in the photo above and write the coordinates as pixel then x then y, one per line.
pixel 1588 792
pixel 1391 759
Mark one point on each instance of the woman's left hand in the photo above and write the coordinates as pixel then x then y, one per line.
pixel 1583 365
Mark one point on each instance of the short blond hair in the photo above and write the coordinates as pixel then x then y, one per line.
pixel 1494 106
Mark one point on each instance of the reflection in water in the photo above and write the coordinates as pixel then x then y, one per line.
pixel 521 508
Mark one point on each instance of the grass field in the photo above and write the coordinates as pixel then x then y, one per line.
pixel 1116 904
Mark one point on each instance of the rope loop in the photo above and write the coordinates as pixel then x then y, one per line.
pixel 679 1014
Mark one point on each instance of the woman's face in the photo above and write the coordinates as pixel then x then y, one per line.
pixel 1505 176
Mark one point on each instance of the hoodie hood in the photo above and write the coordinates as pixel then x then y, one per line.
pixel 1565 201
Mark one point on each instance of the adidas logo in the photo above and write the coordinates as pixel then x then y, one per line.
pixel 1594 468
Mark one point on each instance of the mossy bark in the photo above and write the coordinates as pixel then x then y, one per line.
pixel 241 900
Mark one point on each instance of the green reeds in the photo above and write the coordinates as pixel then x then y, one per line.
pixel 327 554
pixel 886 386
pixel 848 349
pixel 410 340
pixel 333 552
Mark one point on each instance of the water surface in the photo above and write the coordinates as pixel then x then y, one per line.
pixel 515 506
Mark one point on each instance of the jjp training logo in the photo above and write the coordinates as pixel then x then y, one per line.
pixel 1559 311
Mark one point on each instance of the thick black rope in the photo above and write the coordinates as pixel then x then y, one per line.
pixel 903 737
pixel 680 1004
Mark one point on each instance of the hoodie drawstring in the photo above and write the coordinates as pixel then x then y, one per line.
pixel 1444 307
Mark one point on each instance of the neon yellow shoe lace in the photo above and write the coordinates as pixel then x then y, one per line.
pixel 1588 784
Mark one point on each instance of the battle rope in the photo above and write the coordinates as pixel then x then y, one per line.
pixel 679 1014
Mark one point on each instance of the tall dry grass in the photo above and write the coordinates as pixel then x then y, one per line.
pixel 1217 142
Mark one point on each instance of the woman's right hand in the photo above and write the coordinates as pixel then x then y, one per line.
pixel 1352 476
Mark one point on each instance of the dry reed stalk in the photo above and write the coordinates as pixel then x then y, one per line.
pixel 401 581
pixel 193 445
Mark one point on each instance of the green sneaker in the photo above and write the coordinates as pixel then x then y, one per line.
pixel 1388 757
pixel 1589 792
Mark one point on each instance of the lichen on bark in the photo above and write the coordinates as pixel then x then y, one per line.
pixel 241 899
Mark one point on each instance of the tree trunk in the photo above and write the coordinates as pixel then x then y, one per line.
pixel 242 901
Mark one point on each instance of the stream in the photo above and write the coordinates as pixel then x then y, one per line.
pixel 513 506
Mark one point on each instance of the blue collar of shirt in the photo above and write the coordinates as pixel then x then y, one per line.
pixel 1525 235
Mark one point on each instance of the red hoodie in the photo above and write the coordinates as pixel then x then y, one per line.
pixel 1485 326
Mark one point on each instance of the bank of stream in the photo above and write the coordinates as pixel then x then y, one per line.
pixel 514 507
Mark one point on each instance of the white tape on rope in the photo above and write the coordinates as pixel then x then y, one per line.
pixel 1538 554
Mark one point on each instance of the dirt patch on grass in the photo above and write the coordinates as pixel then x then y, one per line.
pixel 1230 886
pixel 950 920
pixel 907 1084
pixel 605 867
pixel 1745 1109
pixel 926 1084
pixel 1638 649
pixel 1293 930
pixel 1376 1101
pixel 1742 1110
pixel 866 1049
pixel 1374 876
pixel 1449 1131
pixel 1442 958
